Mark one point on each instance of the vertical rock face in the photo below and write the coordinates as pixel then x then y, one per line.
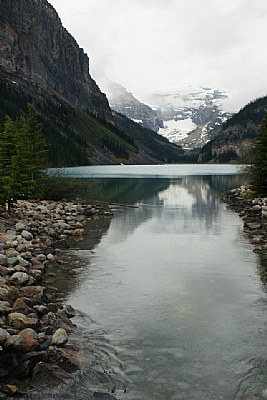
pixel 36 50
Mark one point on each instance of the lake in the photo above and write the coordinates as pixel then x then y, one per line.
pixel 170 292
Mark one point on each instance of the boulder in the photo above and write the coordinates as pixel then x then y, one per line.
pixel 35 356
pixel 3 335
pixel 10 390
pixel 3 271
pixel 8 293
pixel 43 209
pixel 50 257
pixel 60 337
pixel 27 235
pixel 20 227
pixel 89 212
pixel 24 263
pixel 78 232
pixel 7 238
pixel 11 261
pixel 20 268
pixel 35 293
pixel 11 253
pixel 3 260
pixel 41 257
pixel 19 278
pixel 69 310
pixel 66 359
pixel 48 375
pixel 14 343
pixel 41 309
pixel 5 307
pixel 20 321
pixel 252 225
pixel 21 307
pixel 56 321
pixel 30 339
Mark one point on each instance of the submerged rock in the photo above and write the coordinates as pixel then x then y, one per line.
pixel 48 375
pixel 66 359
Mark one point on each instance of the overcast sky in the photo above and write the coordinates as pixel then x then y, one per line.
pixel 161 45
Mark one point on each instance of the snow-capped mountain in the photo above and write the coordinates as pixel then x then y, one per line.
pixel 191 116
pixel 188 117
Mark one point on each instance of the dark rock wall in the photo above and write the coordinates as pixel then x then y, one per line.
pixel 35 49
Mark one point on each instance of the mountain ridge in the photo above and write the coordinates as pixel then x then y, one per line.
pixel 36 50
pixel 235 140
pixel 126 103
pixel 41 63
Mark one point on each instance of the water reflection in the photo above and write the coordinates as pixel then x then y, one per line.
pixel 132 190
pixel 175 284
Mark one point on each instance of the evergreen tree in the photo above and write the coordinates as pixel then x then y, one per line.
pixel 259 163
pixel 8 185
pixel 23 156
pixel 31 151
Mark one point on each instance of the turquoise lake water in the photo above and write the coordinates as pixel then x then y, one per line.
pixel 174 285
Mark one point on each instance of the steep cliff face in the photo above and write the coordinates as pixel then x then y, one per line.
pixel 41 63
pixel 235 141
pixel 36 51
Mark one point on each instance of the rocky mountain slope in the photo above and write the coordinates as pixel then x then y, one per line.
pixel 125 103
pixel 234 142
pixel 191 117
pixel 41 63
pixel 188 117
pixel 36 50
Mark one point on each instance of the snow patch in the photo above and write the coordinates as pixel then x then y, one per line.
pixel 138 121
pixel 177 130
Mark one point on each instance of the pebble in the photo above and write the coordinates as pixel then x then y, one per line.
pixel 30 320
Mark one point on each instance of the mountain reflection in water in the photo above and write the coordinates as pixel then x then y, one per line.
pixel 178 290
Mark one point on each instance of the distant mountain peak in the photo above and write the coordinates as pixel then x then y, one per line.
pixel 125 103
pixel 191 116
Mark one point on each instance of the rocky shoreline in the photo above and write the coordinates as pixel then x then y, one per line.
pixel 253 211
pixel 34 324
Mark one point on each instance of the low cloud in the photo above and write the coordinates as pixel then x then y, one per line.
pixel 159 45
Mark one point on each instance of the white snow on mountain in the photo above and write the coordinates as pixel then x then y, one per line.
pixel 191 116
pixel 175 130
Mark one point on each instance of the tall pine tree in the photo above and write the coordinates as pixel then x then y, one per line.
pixel 9 186
pixel 259 163
pixel 23 157
pixel 30 157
